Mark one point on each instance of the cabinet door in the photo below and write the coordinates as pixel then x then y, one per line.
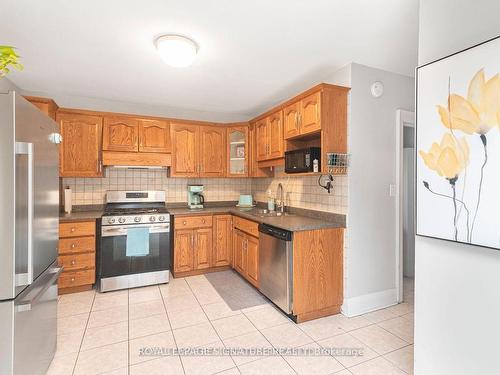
pixel 252 253
pixel 237 151
pixel 202 248
pixel 212 151
pixel 154 136
pixel 310 117
pixel 80 150
pixel 275 124
pixel 222 236
pixel 184 149
pixel 239 256
pixel 291 120
pixel 183 250
pixel 120 134
pixel 261 140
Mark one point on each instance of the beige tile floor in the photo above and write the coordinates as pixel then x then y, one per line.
pixel 103 333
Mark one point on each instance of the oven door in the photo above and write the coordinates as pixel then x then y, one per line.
pixel 113 259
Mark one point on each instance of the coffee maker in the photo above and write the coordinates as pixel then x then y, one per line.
pixel 195 196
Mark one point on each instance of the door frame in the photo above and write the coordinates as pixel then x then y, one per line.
pixel 403 118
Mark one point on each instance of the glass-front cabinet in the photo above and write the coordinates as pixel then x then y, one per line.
pixel 237 141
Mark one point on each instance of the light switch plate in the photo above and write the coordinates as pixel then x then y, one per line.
pixel 393 190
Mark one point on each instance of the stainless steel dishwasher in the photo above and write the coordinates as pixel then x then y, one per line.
pixel 276 266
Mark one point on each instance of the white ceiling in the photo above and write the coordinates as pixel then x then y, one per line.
pixel 253 54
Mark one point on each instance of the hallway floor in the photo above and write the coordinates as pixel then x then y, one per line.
pixel 104 333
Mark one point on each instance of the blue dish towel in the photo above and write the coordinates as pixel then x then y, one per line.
pixel 137 242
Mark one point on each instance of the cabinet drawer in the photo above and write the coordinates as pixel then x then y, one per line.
pixel 77 229
pixel 76 245
pixel 247 226
pixel 188 222
pixel 76 278
pixel 77 261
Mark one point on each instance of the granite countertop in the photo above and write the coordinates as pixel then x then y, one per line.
pixel 81 213
pixel 296 220
pixel 293 222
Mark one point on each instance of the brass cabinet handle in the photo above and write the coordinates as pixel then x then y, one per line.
pixel 73 229
pixel 203 221
pixel 184 222
pixel 73 245
pixel 72 279
pixel 73 262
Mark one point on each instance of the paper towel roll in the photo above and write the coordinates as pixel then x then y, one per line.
pixel 68 205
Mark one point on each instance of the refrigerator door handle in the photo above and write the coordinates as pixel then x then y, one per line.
pixel 26 305
pixel 26 148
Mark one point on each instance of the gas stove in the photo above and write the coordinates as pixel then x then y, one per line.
pixel 136 240
pixel 135 207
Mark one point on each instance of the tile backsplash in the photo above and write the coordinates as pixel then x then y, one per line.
pixel 88 191
pixel 302 192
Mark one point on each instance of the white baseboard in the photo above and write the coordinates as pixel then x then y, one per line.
pixel 369 302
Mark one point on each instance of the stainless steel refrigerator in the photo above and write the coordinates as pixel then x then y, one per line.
pixel 29 205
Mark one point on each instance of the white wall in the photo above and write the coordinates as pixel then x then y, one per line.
pixel 370 258
pixel 457 287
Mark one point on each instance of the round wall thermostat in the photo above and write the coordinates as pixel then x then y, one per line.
pixel 377 89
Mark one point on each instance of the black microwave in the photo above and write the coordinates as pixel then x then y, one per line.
pixel 302 160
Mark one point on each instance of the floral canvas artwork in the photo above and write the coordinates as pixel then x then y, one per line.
pixel 458 147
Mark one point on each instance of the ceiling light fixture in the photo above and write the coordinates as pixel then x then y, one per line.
pixel 176 50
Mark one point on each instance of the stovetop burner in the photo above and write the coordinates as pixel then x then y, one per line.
pixel 113 211
pixel 137 207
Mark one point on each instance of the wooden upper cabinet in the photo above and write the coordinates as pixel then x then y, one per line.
pixel 261 140
pixel 310 113
pixel 154 136
pixel 237 151
pixel 275 135
pixel 269 137
pixel 80 150
pixel 212 153
pixel 291 115
pixel 185 141
pixel 120 134
pixel 46 105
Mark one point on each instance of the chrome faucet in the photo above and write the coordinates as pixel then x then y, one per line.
pixel 280 198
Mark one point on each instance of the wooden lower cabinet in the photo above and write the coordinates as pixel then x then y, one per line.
pixel 222 240
pixel 183 250
pixel 246 256
pixel 317 273
pixel 252 250
pixel 202 248
pixel 77 244
pixel 240 260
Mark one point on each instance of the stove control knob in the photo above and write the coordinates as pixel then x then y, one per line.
pixel 121 220
pixel 161 218
pixel 152 218
pixel 111 221
pixel 137 219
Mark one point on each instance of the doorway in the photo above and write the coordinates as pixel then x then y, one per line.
pixel 405 180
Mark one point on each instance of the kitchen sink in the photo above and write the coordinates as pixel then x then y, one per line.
pixel 262 212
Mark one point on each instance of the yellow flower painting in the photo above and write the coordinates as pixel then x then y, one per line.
pixel 477 113
pixel 460 156
pixel 448 158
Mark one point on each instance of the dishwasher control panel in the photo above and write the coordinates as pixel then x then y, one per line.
pixel 282 234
